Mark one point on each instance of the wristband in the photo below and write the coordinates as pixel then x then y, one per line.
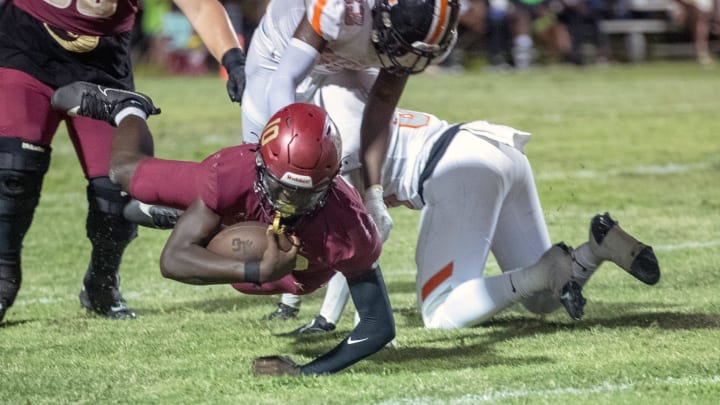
pixel 252 272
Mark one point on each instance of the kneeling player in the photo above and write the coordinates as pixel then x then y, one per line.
pixel 477 194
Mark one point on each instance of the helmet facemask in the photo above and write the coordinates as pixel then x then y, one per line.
pixel 286 199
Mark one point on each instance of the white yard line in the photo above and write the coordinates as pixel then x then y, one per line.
pixel 670 168
pixel 687 245
pixel 537 394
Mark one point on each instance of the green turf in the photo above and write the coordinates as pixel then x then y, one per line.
pixel 639 141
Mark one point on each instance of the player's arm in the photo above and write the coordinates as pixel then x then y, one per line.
pixel 296 63
pixel 375 130
pixel 374 139
pixel 185 258
pixel 375 330
pixel 211 22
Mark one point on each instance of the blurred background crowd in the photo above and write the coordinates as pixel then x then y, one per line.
pixel 497 34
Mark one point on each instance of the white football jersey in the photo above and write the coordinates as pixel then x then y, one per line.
pixel 412 137
pixel 345 24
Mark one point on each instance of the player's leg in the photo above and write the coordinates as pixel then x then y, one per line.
pixel 21 178
pixel 607 241
pixel 27 124
pixel 522 237
pixel 133 143
pixel 464 200
pixel 287 308
pixel 337 294
pixel 108 231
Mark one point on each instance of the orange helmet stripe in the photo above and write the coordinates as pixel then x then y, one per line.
pixel 435 37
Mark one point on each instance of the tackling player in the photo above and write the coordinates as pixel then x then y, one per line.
pixel 477 194
pixel 48 44
pixel 367 46
pixel 288 180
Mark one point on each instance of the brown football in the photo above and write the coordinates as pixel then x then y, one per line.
pixel 244 241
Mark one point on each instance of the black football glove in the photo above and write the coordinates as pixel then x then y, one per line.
pixel 234 63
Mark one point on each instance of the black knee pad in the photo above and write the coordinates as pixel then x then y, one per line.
pixel 105 221
pixel 22 168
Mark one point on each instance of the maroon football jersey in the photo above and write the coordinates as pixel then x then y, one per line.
pixel 85 17
pixel 340 236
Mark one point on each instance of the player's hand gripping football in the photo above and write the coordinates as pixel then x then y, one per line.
pixel 278 259
pixel 275 365
pixel 378 211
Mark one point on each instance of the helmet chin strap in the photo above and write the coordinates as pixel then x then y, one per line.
pixel 278 227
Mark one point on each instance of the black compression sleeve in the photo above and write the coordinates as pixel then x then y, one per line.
pixel 375 330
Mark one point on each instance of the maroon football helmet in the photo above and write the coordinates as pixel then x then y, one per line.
pixel 298 158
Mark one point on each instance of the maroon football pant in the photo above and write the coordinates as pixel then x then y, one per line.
pixel 26 113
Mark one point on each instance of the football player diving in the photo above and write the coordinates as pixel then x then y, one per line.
pixel 288 180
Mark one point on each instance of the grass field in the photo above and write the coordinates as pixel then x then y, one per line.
pixel 642 142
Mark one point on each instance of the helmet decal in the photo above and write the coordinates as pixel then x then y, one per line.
pixel 297 180
pixel 270 131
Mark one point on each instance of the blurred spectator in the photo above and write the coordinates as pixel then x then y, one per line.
pixel 582 19
pixel 499 33
pixel 471 27
pixel 252 11
pixel 152 49
pixel 524 21
pixel 182 50
pixel 699 16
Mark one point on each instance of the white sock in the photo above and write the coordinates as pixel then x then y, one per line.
pixel 584 263
pixel 129 111
pixel 291 300
pixel 336 295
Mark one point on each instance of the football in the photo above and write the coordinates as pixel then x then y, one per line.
pixel 245 241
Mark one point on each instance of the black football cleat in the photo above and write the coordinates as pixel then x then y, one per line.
pixel 151 216
pixel 99 102
pixel 319 324
pixel 608 241
pixel 103 298
pixel 556 262
pixel 283 313
pixel 572 299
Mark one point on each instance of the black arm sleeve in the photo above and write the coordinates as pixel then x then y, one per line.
pixel 375 330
